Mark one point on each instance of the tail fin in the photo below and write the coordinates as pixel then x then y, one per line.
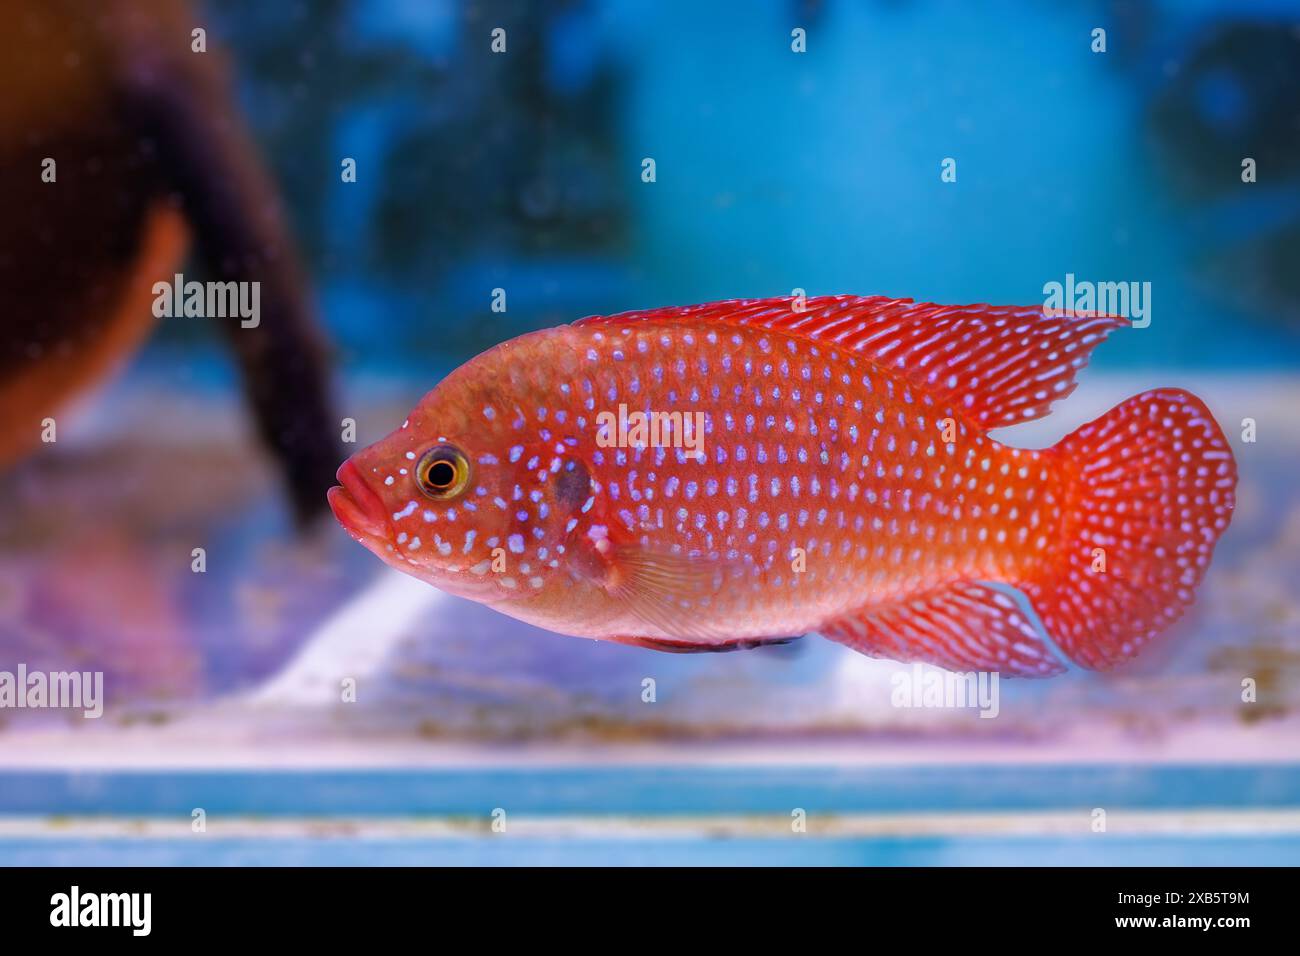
pixel 1150 489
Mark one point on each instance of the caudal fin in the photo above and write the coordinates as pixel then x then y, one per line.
pixel 1150 491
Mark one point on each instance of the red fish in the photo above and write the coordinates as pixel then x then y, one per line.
pixel 828 469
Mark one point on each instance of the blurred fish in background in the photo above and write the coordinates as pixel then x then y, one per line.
pixel 124 162
pixel 123 154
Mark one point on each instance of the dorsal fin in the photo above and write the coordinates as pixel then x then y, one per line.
pixel 997 364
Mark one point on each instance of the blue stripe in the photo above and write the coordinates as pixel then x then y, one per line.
pixel 654 790
pixel 1109 850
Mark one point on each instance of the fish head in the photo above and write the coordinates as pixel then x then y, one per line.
pixel 479 489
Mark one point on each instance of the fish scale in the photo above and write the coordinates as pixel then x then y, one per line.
pixel 845 483
pixel 806 448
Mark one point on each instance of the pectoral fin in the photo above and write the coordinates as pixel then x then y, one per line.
pixel 671 594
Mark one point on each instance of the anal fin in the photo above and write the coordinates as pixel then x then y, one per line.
pixel 963 626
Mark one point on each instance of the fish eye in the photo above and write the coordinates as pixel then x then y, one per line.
pixel 442 473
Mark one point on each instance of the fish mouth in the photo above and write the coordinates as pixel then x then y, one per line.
pixel 356 506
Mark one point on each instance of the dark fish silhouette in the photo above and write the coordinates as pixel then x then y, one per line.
pixel 153 162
